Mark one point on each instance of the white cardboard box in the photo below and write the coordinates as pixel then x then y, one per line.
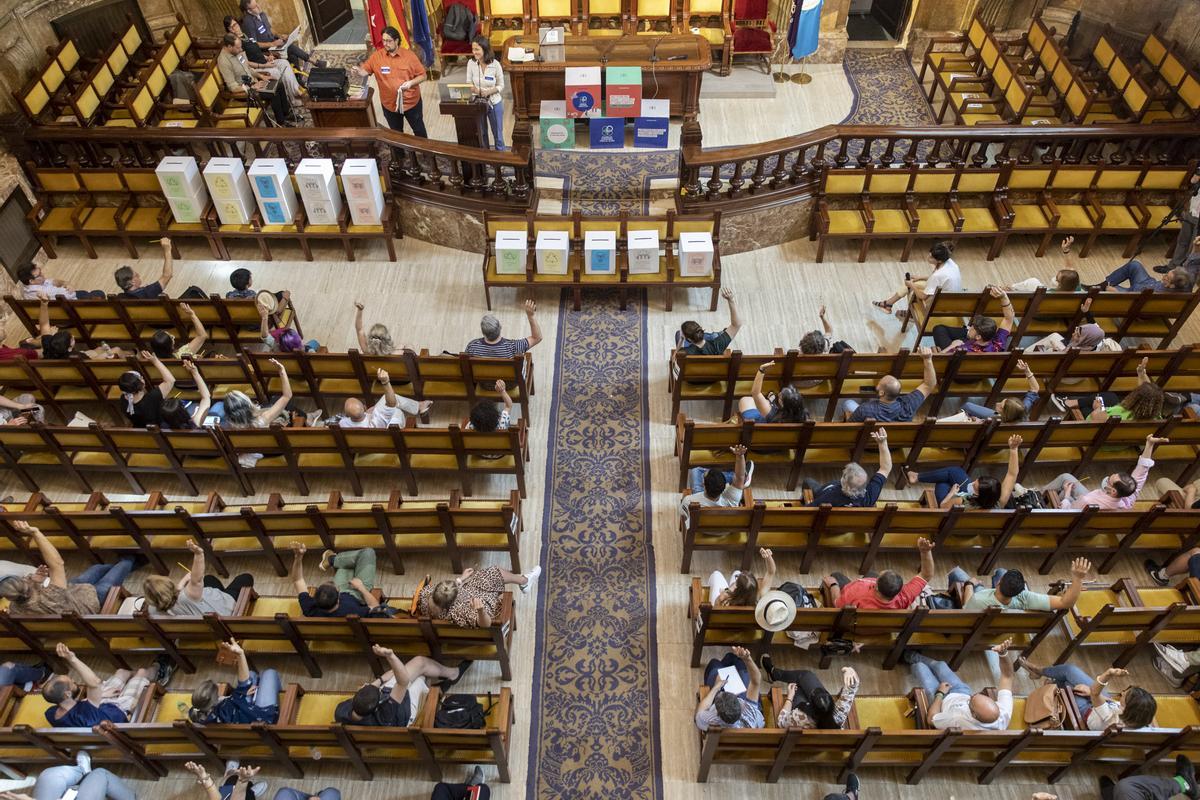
pixel 230 190
pixel 179 176
pixel 695 254
pixel 360 182
pixel 272 184
pixel 553 251
pixel 511 251
pixel 655 108
pixel 317 182
pixel 642 250
pixel 600 252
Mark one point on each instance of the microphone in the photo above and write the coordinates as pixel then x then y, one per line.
pixel 679 57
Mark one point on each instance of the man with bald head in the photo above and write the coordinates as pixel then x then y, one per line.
pixel 389 410
pixel 953 704
pixel 890 405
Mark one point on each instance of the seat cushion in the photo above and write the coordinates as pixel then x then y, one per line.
pixel 752 40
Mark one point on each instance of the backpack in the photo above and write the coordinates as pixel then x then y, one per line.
pixel 798 593
pixel 459 24
pixel 1027 499
pixel 462 711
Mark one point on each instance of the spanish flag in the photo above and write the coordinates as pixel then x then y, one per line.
pixel 382 14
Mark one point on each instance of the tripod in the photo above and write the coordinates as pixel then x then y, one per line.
pixel 262 105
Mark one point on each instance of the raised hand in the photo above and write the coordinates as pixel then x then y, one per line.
pixel 300 548
pixel 1080 568
pixel 195 548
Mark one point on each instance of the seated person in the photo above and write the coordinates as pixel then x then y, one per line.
pixel 58 343
pixel 1185 563
pixel 787 407
pixel 888 590
pixel 1148 787
pixel 982 334
pixel 375 703
pixel 721 709
pixel 952 704
pixel 130 282
pixel 388 410
pixel 714 487
pixel 112 700
pixel 693 341
pixel 48 592
pixel 1146 402
pixel 195 594
pixel 53 783
pixel 349 593
pixel 1009 409
pixel 472 599
pixel 1134 274
pixel 953 486
pixel 255 698
pixel 1065 280
pixel 1134 709
pixel 376 341
pixel 487 417
pixel 821 342
pixel 1010 592
pixel 233 66
pixel 741 588
pixel 32 283
pixel 808 703
pixel 945 277
pixel 890 405
pixel 143 404
pixel 162 343
pixel 180 415
pixel 493 345
pixel 854 489
pixel 1117 491
pixel 265 60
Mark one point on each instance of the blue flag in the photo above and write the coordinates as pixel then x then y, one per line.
pixel 420 31
pixel 805 28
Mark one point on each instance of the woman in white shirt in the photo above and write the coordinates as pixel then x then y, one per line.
pixel 487 81
pixel 945 276
pixel 1134 708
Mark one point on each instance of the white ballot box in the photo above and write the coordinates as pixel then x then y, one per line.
pixel 642 249
pixel 183 186
pixel 600 252
pixel 317 182
pixel 552 252
pixel 272 184
pixel 360 182
pixel 511 248
pixel 695 252
pixel 230 190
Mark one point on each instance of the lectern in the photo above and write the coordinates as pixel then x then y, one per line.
pixel 353 112
pixel 470 116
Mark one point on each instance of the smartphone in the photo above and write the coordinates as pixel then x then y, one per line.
pixel 908 276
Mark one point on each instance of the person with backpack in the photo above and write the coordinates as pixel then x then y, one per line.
pixel 375 703
pixel 398 74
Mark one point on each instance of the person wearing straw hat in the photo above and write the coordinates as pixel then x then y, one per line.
pixel 720 708
pixel 888 589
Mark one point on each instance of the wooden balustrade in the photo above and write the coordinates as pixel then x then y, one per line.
pixel 745 177
pixel 422 170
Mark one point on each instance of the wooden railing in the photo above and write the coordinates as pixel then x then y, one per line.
pixel 742 178
pixel 423 170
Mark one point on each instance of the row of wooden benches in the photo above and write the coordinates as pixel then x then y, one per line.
pixel 326 378
pixel 157 527
pixel 352 453
pixel 1071 446
pixel 1045 200
pixel 986 378
pixel 159 738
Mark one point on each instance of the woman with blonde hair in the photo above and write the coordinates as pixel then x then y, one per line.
pixel 377 341
pixel 473 599
pixel 195 594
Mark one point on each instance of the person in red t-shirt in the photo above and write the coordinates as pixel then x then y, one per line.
pixel 887 590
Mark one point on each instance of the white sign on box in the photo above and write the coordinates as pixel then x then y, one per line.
pixel 655 108
pixel 642 250
pixel 317 182
pixel 512 248
pixel 553 248
pixel 600 252
pixel 695 254
pixel 272 184
pixel 230 190
pixel 360 182
pixel 185 210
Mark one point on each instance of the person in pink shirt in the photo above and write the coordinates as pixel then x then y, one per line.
pixel 1118 490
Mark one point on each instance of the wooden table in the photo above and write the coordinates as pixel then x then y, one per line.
pixel 353 112
pixel 675 80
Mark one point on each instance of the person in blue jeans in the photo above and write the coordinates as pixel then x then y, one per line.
pixel 255 698
pixel 1009 409
pixel 1133 273
pixel 1133 708
pixel 48 591
pixel 487 85
pixel 53 783
pixel 953 486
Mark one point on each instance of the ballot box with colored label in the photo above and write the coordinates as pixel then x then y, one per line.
pixel 272 184
pixel 557 132
pixel 642 250
pixel 600 252
pixel 622 91
pixel 317 182
pixel 230 190
pixel 360 182
pixel 695 250
pixel 582 91
pixel 183 186
pixel 606 132
pixel 652 124
pixel 552 249
pixel 511 248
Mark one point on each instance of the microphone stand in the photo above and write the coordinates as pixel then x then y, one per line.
pixel 1175 213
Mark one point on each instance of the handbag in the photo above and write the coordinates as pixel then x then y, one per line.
pixel 1044 708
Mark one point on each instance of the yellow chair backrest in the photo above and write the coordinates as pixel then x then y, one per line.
pixel 1153 50
pixel 102 180
pixel 887 181
pixel 1119 73
pixel 496 225
pixel 1050 57
pixel 1172 70
pixel 1073 177
pixel 53 180
pixel 1003 75
pixel 53 76
pixel 1076 100
pixel 1119 177
pixel 157 80
pixel 141 180
pixel 977 181
pixel 653 8
pixel 976 34
pixel 990 54
pixel 933 182
pixel 649 225
pixel 553 8
pixel 1061 77
pixel 611 224
pixel 170 60
pixel 692 226
pixel 1189 92
pixel 1029 178
pixel 844 184
pixel 507 8
pixel 603 7
pixel 36 99
pixel 118 60
pixel 1103 53
pixel 86 103
pixel 706 6
pixel 183 41
pixel 68 56
pixel 132 39
pixel 142 105
pixel 558 224
pixel 1016 95
pixel 104 80
pixel 208 90
pixel 1135 97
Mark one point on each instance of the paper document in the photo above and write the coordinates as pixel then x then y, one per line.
pixel 291 40
pixel 733 680
pixel 518 54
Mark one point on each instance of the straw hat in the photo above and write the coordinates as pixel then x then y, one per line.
pixel 775 611
pixel 267 300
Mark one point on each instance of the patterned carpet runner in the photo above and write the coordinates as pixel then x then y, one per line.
pixel 885 89
pixel 607 183
pixel 595 706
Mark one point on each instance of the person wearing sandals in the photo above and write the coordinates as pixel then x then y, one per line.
pixel 473 598
pixel 375 703
pixel 787 406
pixel 945 277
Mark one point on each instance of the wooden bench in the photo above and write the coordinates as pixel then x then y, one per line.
pixel 1132 618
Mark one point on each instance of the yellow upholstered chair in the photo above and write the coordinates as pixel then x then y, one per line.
pixel 221 109
pixel 551 13
pixel 602 17
pixel 712 20
pixel 502 19
pixel 1026 203
pixel 652 17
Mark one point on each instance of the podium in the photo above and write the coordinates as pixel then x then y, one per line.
pixel 353 112
pixel 469 116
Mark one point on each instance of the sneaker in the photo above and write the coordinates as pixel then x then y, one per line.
pixel 166 670
pixel 908 656
pixel 476 777
pixel 768 666
pixel 852 786
pixel 530 577
pixel 1185 770
pixel 1163 269
pixel 1168 672
pixel 326 560
pixel 1156 572
pixel 1058 404
pixel 749 473
pixel 83 761
pixel 231 766
pixel 258 789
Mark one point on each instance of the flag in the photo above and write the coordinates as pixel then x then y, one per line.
pixel 375 23
pixel 805 29
pixel 422 39
pixel 387 13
